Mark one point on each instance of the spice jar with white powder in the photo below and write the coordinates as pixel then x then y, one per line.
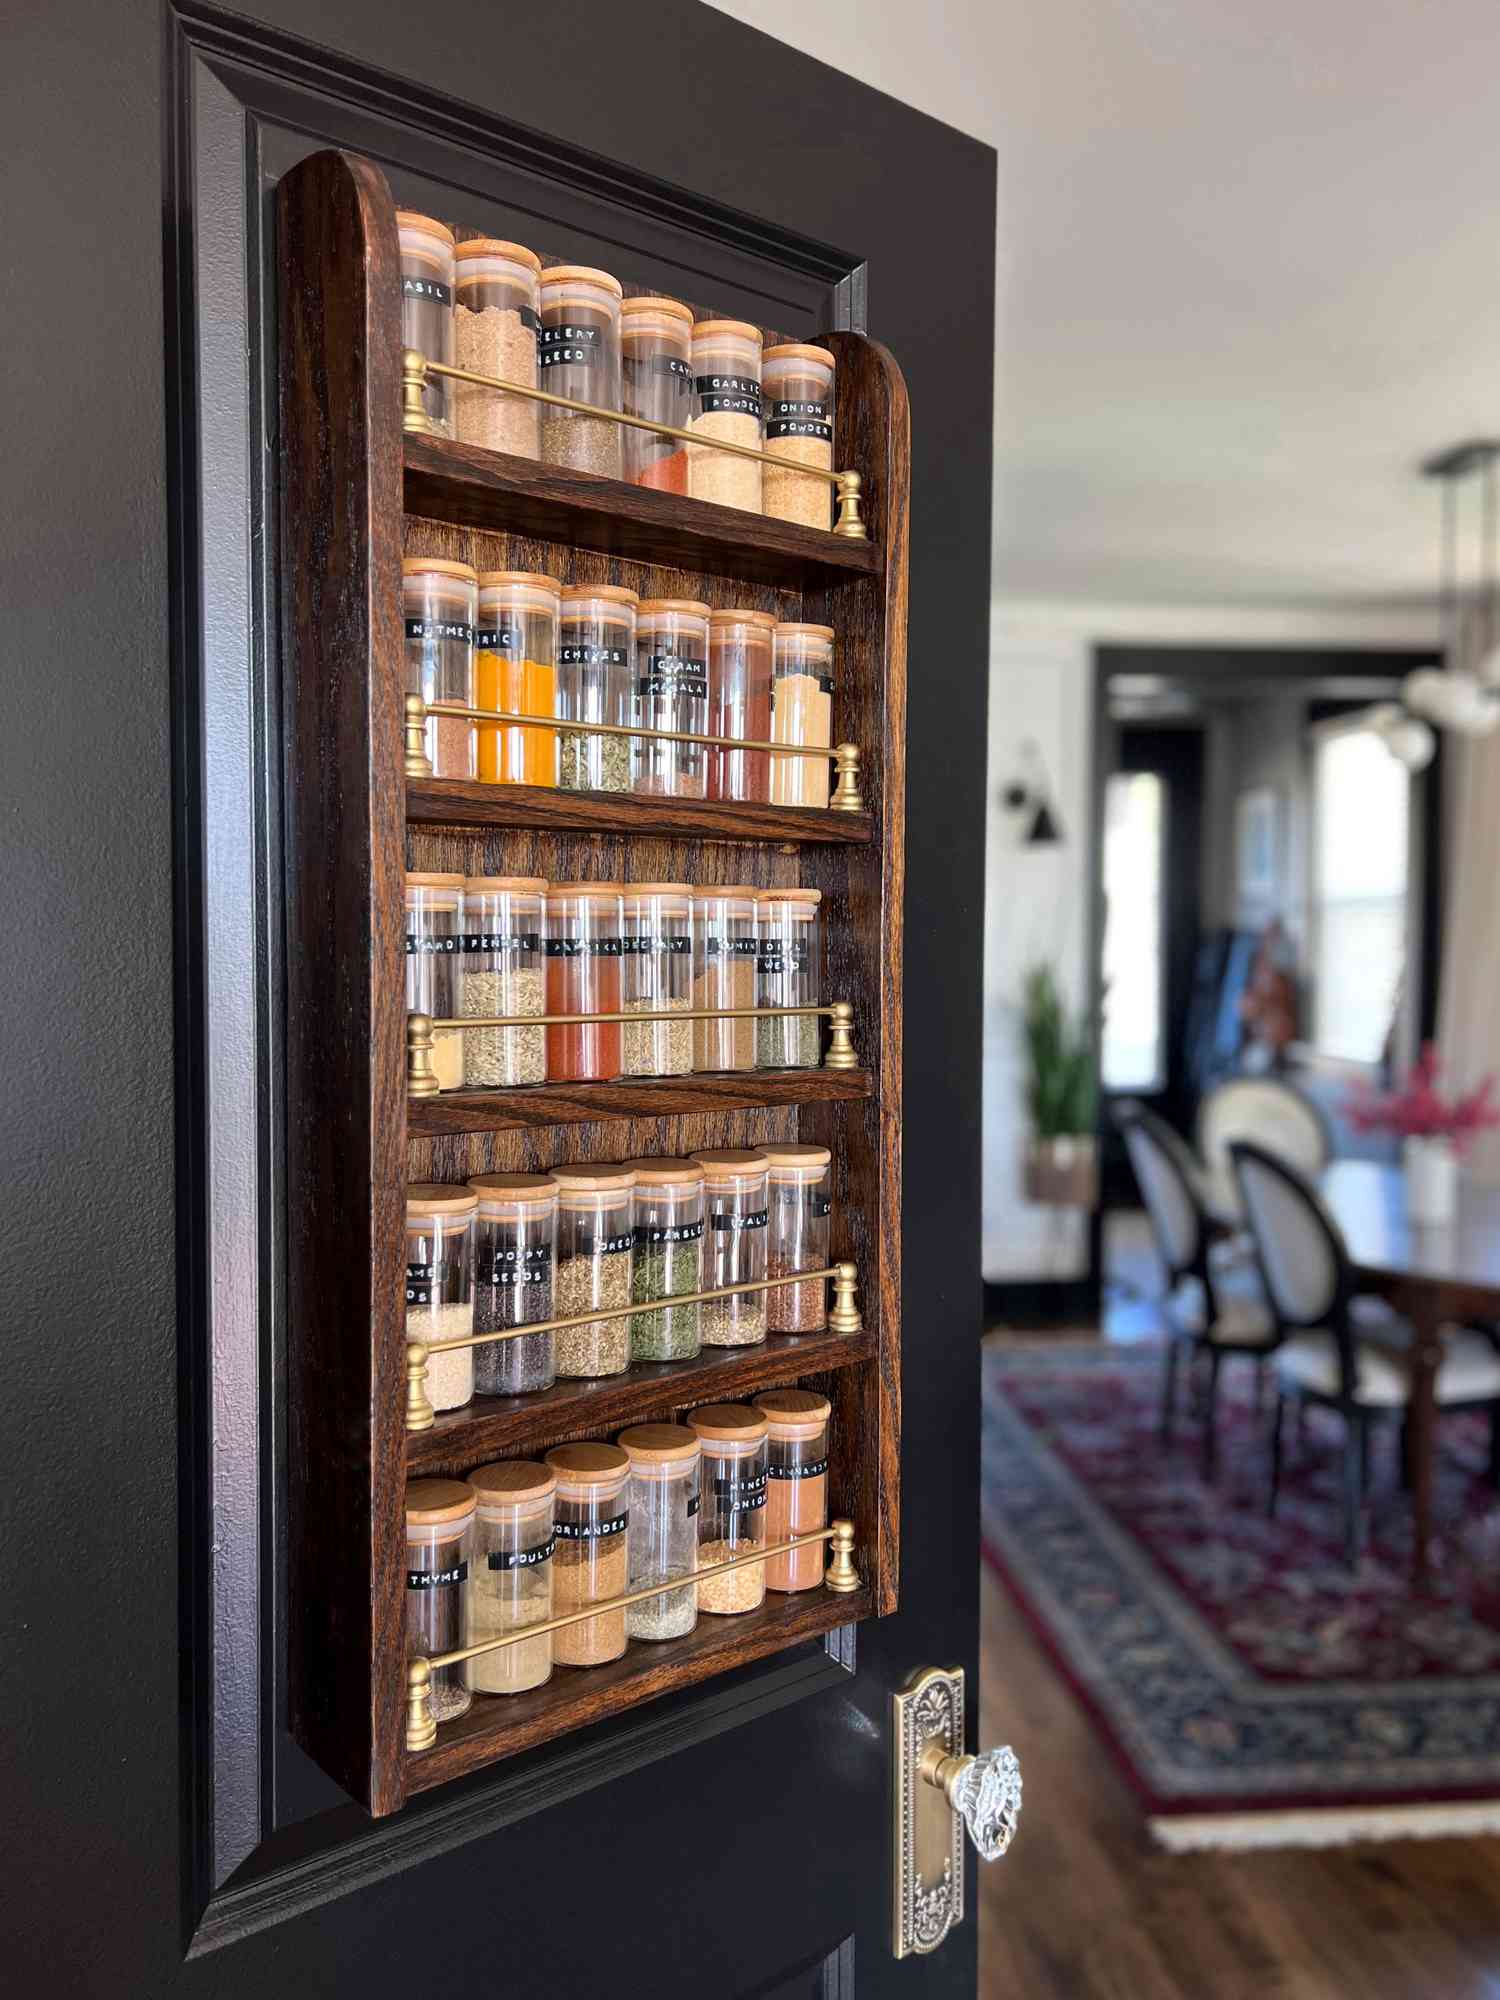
pixel 801 711
pixel 732 1516
pixel 434 966
pixel 440 1285
pixel 591 1520
pixel 427 306
pixel 798 382
pixel 727 389
pixel 495 326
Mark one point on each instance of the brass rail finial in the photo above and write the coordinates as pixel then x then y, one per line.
pixel 849 521
pixel 418 763
pixel 844 1316
pixel 841 1574
pixel 421 1079
pixel 840 1041
pixel 846 796
pixel 413 392
pixel 419 1410
pixel 421 1725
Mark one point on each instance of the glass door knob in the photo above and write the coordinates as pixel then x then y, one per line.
pixel 985 1792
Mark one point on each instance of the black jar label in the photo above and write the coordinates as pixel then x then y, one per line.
pixel 776 955
pixel 592 1531
pixel 756 1219
pixel 440 628
pixel 668 677
pixel 583 948
pixel 821 1204
pixel 591 656
pixel 434 1579
pixel 501 941
pixel 529 316
pixel 425 1281
pixel 740 1496
pixel 789 419
pixel 426 288
pixel 722 947
pixel 433 947
pixel 668 1232
pixel 522 1558
pixel 611 1246
pixel 498 639
pixel 642 944
pixel 512 1265
pixel 737 395
pixel 694 1502
pixel 813 1469
pixel 569 345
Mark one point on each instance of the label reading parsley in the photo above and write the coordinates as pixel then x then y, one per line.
pixel 674 1232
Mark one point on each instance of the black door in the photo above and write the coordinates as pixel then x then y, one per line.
pixel 168 1837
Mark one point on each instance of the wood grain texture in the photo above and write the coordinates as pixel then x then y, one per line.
pixel 490 489
pixel 500 1725
pixel 343 679
pixel 465 802
pixel 548 1104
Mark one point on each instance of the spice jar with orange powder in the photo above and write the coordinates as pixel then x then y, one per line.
pixel 796 1482
pixel 515 673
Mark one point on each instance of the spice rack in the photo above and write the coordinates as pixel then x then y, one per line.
pixel 355 492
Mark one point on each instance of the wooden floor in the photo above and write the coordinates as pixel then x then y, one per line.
pixel 1084 1909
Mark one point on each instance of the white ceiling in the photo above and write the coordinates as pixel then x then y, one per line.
pixel 1249 276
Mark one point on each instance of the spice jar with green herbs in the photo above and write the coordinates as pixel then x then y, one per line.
pixel 671 693
pixel 726 383
pixel 434 966
pixel 798 382
pixel 656 977
pixel 732 1516
pixel 789 973
pixel 796 1483
pixel 668 1258
pixel 736 1214
pixel 440 602
pixel 595 668
pixel 510 1577
pixel 663 1496
pixel 503 973
pixel 440 1284
pixel 427 306
pixel 801 711
pixel 495 327
pixel 591 1520
pixel 515 1248
pixel 580 358
pixel 657 343
pixel 595 1263
pixel 724 955
pixel 801 1204
pixel 439 1550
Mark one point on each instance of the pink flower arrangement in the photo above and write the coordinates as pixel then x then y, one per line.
pixel 1418 1111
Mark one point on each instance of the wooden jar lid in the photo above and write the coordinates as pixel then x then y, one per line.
pixel 591 1179
pixel 797 350
pixel 419 881
pixel 732 1161
pixel 588 1464
pixel 657 889
pixel 809 896
pixel 521 1189
pixel 533 579
pixel 493 246
pixel 411 218
pixel 796 631
pixel 790 1156
pixel 659 1444
pixel 438 566
pixel 514 1479
pixel 438 1198
pixel 687 607
pixel 794 1412
pixel 496 885
pixel 431 1501
pixel 709 891
pixel 609 889
pixel 737 1422
pixel 612 593
pixel 662 1172
pixel 581 274
pixel 765 619
pixel 727 329
pixel 673 308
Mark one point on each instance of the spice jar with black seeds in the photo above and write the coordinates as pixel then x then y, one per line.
pixel 440 602
pixel 796 1483
pixel 510 1576
pixel 798 382
pixel 724 954
pixel 789 973
pixel 735 1211
pixel 801 1204
pixel 656 977
pixel 434 966
pixel 657 349
pixel 595 1264
pixel 801 711
pixel 495 325
pixel 732 1515
pixel 591 1520
pixel 727 387
pixel 671 693
pixel 439 1551
pixel 739 701
pixel 440 1284
pixel 580 358
pixel 595 683
pixel 503 973
pixel 668 1258
pixel 427 306
pixel 515 1250
pixel 663 1496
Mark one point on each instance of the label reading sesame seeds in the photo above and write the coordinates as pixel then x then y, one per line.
pixel 425 1281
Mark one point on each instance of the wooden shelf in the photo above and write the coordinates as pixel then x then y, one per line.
pixel 499 1725
pixel 536 1106
pixel 467 802
pixel 474 488
pixel 505 1426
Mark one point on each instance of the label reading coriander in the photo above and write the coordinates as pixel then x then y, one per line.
pixel 592 1531
pixel 522 1558
pixel 786 419
pixel 434 1579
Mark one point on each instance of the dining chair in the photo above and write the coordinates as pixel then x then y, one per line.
pixel 1204 1312
pixel 1335 1349
pixel 1270 1112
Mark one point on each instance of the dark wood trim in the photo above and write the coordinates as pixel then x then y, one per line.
pixel 464 802
pixel 538 1106
pixel 1036 1303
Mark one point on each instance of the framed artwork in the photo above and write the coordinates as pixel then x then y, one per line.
pixel 1257 846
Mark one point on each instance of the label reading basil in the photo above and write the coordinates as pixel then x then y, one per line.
pixel 792 419
pixel 675 1232
pixel 592 1531
pixel 569 345
pixel 501 941
pixel 440 628
pixel 425 288
pixel 755 1220
pixel 424 1281
pixel 522 1558
pixel 814 1469
pixel 434 1579
pixel 611 1246
pixel 668 676
pixel 513 1266
pixel 737 395
pixel 497 639
pixel 591 656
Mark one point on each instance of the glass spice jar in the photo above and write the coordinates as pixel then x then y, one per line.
pixel 495 325
pixel 434 966
pixel 798 381
pixel 671 692
pixel 439 600
pixel 796 1483
pixel 657 350
pixel 789 973
pixel 503 973
pixel 515 672
pixel 583 954
pixel 510 1579
pixel 727 391
pixel 663 1497
pixel 515 1251
pixel 739 702
pixel 724 956
pixel 595 1266
pixel 427 306
pixel 656 977
pixel 736 1214
pixel 668 1258
pixel 801 711
pixel 798 1193
pixel 440 1284
pixel 580 357
pixel 595 683
pixel 439 1549
pixel 732 1516
pixel 591 1520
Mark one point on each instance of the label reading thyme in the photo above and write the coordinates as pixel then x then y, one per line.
pixel 434 1579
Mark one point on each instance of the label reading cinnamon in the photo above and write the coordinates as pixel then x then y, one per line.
pixel 813 1469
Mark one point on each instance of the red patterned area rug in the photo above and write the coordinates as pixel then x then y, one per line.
pixel 1255 1690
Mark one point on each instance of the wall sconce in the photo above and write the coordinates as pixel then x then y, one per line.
pixel 1028 798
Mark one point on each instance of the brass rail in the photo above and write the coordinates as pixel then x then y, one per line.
pixel 845 796
pixel 415 369
pixel 843 1318
pixel 421 1727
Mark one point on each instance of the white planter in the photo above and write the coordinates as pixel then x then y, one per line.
pixel 1431 1179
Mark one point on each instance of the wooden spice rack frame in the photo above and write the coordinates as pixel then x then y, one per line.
pixel 356 492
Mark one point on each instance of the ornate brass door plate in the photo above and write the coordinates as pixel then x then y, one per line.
pixel 929 1856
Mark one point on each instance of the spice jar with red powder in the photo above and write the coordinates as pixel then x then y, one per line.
pixel 582 953
pixel 656 343
pixel 796 1482
pixel 739 701
pixel 440 601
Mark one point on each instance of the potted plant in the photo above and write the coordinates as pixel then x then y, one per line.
pixel 1061 1166
pixel 1435 1132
